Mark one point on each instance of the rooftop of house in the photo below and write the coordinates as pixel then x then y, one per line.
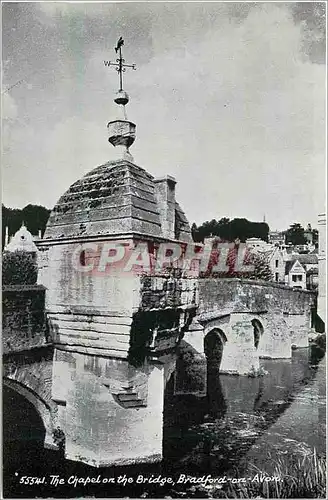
pixel 266 253
pixel 290 264
pixel 22 241
pixel 309 258
pixel 277 234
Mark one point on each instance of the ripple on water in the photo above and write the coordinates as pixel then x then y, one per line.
pixel 299 429
pixel 281 413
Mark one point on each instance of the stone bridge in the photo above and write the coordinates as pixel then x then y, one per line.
pixel 236 323
pixel 28 352
pixel 246 320
pixel 93 346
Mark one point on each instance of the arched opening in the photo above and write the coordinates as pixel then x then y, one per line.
pixel 21 421
pixel 213 348
pixel 190 371
pixel 28 440
pixel 257 331
pixel 23 436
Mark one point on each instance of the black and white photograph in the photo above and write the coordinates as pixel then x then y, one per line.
pixel 163 249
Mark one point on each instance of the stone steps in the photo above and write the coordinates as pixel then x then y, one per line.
pixel 130 400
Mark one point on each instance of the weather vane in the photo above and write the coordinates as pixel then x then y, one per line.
pixel 120 65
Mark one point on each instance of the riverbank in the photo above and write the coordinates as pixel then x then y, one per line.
pixel 291 477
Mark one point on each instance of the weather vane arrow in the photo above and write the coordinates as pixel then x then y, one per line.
pixel 120 65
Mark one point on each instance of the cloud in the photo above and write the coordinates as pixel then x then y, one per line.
pixel 224 98
pixel 52 159
pixel 248 125
pixel 312 19
pixel 67 9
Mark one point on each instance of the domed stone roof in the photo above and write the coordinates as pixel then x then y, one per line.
pixel 116 198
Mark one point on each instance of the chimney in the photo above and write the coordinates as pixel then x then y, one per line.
pixel 165 196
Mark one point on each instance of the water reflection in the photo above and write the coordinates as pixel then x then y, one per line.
pixel 221 427
pixel 238 417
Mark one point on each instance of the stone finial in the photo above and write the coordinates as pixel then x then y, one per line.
pixel 122 132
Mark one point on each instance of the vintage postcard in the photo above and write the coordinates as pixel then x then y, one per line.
pixel 164 249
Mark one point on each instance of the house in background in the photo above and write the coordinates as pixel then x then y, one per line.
pixel 309 265
pixel 277 238
pixel 309 261
pixel 312 279
pixel 258 244
pixel 295 274
pixel 21 241
pixel 308 234
pixel 277 265
pixel 275 258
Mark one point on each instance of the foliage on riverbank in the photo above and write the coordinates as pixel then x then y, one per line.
pixel 300 478
pixel 320 341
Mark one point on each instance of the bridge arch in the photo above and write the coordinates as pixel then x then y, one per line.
pixel 214 342
pixel 41 407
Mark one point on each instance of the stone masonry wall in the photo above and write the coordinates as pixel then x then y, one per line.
pixel 284 316
pixel 23 318
pixel 253 296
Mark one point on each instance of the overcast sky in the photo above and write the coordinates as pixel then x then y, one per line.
pixel 228 97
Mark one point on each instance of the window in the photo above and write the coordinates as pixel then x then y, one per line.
pixel 297 277
pixel 277 263
pixel 277 276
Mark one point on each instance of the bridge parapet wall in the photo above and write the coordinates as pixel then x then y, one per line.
pixel 96 310
pixel 252 296
pixel 259 319
pixel 23 318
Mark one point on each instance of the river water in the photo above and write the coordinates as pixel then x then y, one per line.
pixel 241 418
pixel 281 411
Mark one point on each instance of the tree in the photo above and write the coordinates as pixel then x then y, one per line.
pixel 262 269
pixel 229 230
pixel 315 236
pixel 224 228
pixel 295 234
pixel 261 266
pixel 35 217
pixel 19 268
